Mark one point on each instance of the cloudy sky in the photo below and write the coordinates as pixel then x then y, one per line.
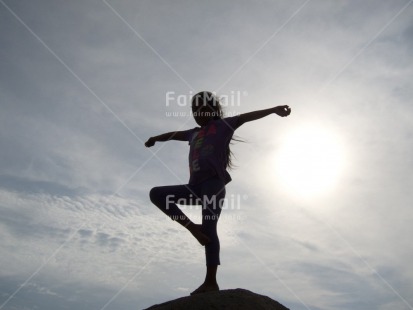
pixel 319 211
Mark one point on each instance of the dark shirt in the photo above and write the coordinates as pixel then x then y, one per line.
pixel 208 149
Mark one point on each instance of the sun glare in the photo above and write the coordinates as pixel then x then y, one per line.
pixel 309 161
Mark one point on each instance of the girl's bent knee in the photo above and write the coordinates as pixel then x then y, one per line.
pixel 154 194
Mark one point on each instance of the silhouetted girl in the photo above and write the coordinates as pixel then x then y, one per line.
pixel 209 158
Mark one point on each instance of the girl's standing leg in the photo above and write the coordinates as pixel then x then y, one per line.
pixel 165 198
pixel 212 195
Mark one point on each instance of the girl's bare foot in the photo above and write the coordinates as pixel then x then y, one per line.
pixel 206 288
pixel 195 230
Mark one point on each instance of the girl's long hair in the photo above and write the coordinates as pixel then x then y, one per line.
pixel 209 99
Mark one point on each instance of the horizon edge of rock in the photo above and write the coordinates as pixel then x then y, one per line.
pixel 239 298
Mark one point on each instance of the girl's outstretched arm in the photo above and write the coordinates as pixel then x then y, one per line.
pixel 282 110
pixel 173 135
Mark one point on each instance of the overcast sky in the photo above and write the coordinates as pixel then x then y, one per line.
pixel 84 83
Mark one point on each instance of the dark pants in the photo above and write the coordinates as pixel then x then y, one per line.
pixel 210 194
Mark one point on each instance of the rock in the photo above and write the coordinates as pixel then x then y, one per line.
pixel 234 299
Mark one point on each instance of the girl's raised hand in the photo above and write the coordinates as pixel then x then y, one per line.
pixel 150 142
pixel 282 110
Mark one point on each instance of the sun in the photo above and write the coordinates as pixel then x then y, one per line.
pixel 309 161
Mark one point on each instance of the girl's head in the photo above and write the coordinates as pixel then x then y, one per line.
pixel 205 107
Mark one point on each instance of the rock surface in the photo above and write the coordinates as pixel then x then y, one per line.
pixel 235 299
